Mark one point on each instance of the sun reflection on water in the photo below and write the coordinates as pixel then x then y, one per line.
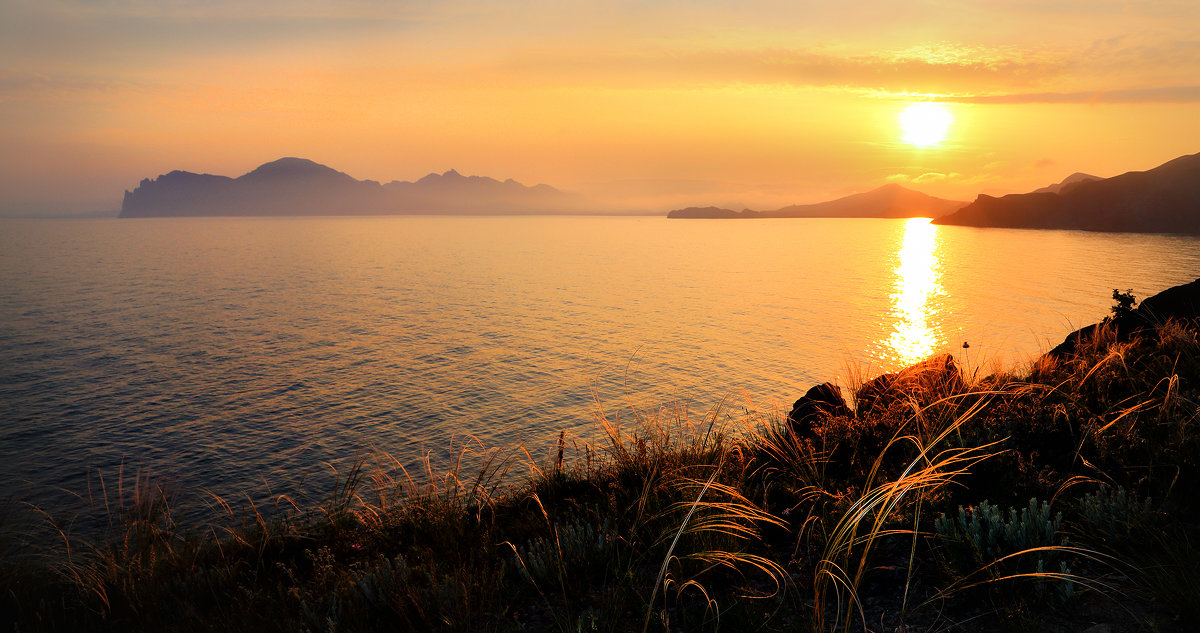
pixel 917 282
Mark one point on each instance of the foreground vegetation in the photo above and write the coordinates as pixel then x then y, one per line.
pixel 1058 497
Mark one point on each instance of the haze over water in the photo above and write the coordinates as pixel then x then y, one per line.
pixel 236 354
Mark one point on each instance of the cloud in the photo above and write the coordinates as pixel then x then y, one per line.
pixel 219 9
pixel 1123 69
pixel 871 47
pixel 1166 94
pixel 15 84
pixel 926 177
pixel 1115 70
pixel 927 69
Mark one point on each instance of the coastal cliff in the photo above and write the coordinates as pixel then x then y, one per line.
pixel 297 186
pixel 1165 199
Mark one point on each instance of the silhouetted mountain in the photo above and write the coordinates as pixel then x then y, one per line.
pixel 296 186
pixel 709 213
pixel 1067 182
pixel 888 201
pixel 1165 199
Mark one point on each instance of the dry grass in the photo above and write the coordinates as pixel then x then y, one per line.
pixel 675 521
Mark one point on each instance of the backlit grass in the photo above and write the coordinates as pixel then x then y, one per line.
pixel 1060 495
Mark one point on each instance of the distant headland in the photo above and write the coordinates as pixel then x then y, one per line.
pixel 888 201
pixel 1165 199
pixel 297 186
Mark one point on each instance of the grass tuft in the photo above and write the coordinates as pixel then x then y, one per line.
pixel 1050 497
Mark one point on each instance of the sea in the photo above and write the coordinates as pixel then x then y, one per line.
pixel 249 358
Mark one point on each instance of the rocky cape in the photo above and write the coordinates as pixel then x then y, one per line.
pixel 297 186
pixel 888 201
pixel 924 382
pixel 1165 199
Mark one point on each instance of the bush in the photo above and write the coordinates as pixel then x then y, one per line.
pixel 1006 544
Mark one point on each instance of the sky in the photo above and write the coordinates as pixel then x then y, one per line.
pixel 648 104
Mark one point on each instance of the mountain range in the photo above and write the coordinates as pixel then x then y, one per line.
pixel 888 201
pixel 297 186
pixel 1165 199
pixel 1066 183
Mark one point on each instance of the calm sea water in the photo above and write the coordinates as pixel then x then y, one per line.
pixel 238 355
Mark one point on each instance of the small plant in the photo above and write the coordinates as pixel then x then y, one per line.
pixel 993 533
pixel 1113 512
pixel 1124 302
pixel 986 538
pixel 576 547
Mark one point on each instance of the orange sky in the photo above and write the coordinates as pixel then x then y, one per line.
pixel 652 104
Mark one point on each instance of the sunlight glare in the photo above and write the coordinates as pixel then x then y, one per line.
pixel 918 278
pixel 925 124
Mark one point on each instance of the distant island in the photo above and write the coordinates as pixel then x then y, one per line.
pixel 1165 199
pixel 297 186
pixel 888 201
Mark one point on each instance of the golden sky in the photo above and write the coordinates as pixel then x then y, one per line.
pixel 651 104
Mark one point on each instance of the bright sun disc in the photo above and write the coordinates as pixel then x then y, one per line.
pixel 925 124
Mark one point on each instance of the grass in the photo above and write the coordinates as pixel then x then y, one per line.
pixel 1054 497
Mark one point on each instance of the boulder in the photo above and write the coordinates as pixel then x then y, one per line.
pixel 1071 343
pixel 819 403
pixel 1181 303
pixel 925 381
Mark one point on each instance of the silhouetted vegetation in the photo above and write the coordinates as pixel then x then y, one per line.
pixel 1059 496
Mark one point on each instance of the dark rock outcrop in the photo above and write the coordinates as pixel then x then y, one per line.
pixel 924 382
pixel 1181 303
pixel 1165 199
pixel 818 404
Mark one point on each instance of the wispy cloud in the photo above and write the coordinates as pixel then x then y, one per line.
pixel 929 68
pixel 19 84
pixel 925 178
pixel 1166 94
pixel 220 9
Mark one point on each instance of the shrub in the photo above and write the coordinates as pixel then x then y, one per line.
pixel 1001 543
pixel 1124 302
pixel 1113 512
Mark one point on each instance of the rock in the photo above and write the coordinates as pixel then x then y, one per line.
pixel 925 381
pixel 1071 343
pixel 1181 303
pixel 1165 199
pixel 819 403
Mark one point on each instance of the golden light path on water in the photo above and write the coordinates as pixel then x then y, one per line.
pixel 917 282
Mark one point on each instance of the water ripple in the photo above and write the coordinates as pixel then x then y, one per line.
pixel 239 355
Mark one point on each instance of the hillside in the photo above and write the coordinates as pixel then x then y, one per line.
pixel 1165 199
pixel 888 201
pixel 1067 182
pixel 297 186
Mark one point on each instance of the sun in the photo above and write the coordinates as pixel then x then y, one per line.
pixel 925 124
